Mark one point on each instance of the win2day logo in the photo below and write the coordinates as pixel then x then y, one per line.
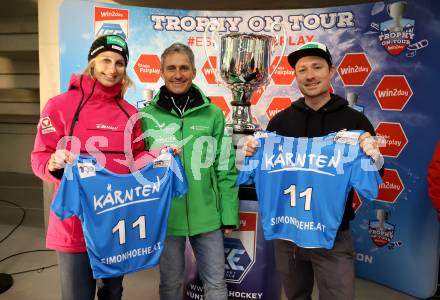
pixel 111 21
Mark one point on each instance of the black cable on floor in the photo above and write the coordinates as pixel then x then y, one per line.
pixel 19 223
pixel 40 269
pixel 24 252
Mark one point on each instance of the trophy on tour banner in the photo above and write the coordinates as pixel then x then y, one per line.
pixel 244 63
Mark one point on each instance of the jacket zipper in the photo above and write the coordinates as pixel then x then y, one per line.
pixel 183 164
pixel 183 151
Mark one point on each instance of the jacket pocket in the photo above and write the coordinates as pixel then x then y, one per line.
pixel 106 137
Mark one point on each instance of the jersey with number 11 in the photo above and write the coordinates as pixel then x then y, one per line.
pixel 123 216
pixel 302 184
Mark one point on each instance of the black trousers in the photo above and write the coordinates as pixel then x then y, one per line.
pixel 332 268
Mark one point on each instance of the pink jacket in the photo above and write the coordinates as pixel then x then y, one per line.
pixel 100 130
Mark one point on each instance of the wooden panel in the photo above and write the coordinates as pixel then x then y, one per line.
pixel 14 108
pixel 18 81
pixel 20 24
pixel 19 42
pixel 16 64
pixel 21 129
pixel 20 95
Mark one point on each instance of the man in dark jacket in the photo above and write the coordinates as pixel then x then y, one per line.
pixel 316 114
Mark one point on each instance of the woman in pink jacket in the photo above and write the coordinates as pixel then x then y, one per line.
pixel 91 118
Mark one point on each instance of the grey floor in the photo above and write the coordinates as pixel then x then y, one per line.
pixel 44 285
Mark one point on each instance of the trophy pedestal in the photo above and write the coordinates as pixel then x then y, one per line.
pixel 238 140
pixel 240 126
pixel 241 121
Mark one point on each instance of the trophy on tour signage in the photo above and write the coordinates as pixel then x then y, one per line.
pixel 244 62
pixel 396 11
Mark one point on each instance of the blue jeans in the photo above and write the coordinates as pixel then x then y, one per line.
pixel 77 281
pixel 210 256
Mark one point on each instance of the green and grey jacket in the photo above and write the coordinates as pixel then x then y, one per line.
pixel 208 158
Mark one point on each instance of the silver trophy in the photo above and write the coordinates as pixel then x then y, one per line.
pixel 396 11
pixel 244 63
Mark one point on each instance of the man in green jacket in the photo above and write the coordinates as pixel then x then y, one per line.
pixel 180 114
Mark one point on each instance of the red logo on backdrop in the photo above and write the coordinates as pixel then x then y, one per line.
pixel 393 92
pixel 107 14
pixel 111 21
pixel 147 68
pixel 248 221
pixel 256 95
pixel 221 103
pixel 395 138
pixel 208 72
pixel 354 69
pixel 276 105
pixel 391 186
pixel 357 202
pixel 284 74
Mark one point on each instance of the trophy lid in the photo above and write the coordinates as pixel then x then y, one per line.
pixel 248 35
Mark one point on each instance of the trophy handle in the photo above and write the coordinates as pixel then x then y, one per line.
pixel 272 28
pixel 214 32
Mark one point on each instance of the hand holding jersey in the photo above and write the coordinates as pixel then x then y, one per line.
pixel 370 145
pixel 367 143
pixel 123 216
pixel 287 171
pixel 59 158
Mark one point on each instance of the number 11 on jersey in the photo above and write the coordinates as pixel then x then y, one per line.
pixel 120 228
pixel 306 193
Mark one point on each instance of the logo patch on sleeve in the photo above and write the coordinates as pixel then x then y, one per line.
pixel 347 137
pixel 46 125
pixel 163 160
pixel 86 169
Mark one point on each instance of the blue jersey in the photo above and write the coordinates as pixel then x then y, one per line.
pixel 123 216
pixel 302 184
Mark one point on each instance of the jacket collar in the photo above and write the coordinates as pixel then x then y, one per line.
pixel 335 103
pixel 100 91
pixel 196 99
